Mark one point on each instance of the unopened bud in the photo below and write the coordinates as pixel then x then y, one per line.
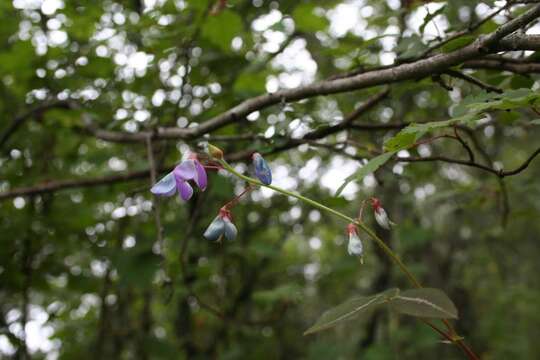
pixel 354 247
pixel 380 214
pixel 262 170
pixel 215 152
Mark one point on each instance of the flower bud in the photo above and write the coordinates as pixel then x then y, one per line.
pixel 215 152
pixel 262 170
pixel 355 246
pixel 380 214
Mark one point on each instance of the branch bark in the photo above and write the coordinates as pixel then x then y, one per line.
pixel 35 111
pixel 491 43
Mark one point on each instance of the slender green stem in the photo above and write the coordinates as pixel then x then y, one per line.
pixel 395 258
pixel 349 219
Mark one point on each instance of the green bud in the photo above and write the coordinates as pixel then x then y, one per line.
pixel 215 152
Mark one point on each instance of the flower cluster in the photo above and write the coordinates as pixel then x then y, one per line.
pixel 355 244
pixel 192 171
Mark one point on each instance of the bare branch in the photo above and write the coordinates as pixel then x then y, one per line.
pixel 33 112
pixel 503 64
pixel 464 144
pixel 53 186
pixel 499 173
pixel 449 160
pixel 522 166
pixel 491 43
pixel 519 42
pixel 379 127
pixel 468 30
pixel 155 204
pixel 322 132
pixel 473 80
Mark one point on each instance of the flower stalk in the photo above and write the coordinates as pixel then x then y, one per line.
pixel 349 219
pixel 386 249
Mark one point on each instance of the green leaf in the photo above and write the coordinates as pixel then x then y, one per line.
pixel 520 81
pixel 222 28
pixel 251 83
pixel 458 43
pixel 426 302
pixel 511 99
pixel 408 136
pixel 368 168
pixel 404 139
pixel 350 309
pixel 306 19
pixel 198 4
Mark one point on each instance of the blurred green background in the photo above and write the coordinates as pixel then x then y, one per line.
pixel 80 271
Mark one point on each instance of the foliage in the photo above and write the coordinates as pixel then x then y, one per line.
pixel 83 272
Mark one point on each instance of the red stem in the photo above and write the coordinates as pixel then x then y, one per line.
pixel 236 199
pixel 470 354
pixel 210 167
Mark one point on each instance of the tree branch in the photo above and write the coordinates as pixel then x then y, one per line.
pixel 473 80
pixel 500 173
pixel 490 43
pixel 503 64
pixel 322 132
pixel 53 186
pixel 59 185
pixel 35 111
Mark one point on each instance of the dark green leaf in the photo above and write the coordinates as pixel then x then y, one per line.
pixel 402 140
pixel 306 19
pixel 222 28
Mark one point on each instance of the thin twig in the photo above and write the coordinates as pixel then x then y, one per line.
pixel 36 111
pixel 464 144
pixel 474 81
pixel 499 40
pixel 155 203
pixel 468 30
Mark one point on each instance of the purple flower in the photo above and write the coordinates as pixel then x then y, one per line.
pixel 220 227
pixel 262 170
pixel 179 178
